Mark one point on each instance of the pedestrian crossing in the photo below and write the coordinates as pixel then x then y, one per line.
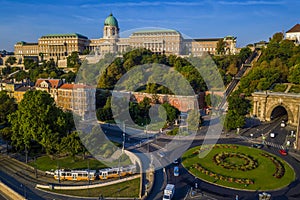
pixel 278 146
pixel 244 138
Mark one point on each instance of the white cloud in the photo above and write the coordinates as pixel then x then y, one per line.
pixel 250 3
pixel 84 18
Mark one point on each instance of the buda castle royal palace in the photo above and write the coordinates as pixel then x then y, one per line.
pixel 162 41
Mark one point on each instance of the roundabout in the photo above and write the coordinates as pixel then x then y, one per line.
pixel 238 167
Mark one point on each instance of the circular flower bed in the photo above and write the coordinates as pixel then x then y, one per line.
pixel 222 160
pixel 238 167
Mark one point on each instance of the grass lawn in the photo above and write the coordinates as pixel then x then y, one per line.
pixel 45 163
pixel 125 189
pixel 262 175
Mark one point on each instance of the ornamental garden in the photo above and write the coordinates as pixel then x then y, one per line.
pixel 238 167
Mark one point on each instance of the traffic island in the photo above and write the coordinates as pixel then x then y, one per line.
pixel 238 167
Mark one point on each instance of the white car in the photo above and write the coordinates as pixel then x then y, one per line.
pixel 282 124
pixel 272 135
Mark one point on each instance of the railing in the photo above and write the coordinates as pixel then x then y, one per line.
pixel 232 85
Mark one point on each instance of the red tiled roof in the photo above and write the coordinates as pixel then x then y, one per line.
pixel 69 86
pixel 54 83
pixel 295 29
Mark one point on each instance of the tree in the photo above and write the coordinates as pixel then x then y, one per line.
pixel 212 100
pixel 172 112
pixel 233 120
pixel 69 77
pixel 29 63
pixel 294 74
pixel 277 37
pixel 72 144
pixel 73 60
pixel 239 104
pixel 7 106
pixel 244 54
pixel 21 75
pixel 221 46
pixel 194 120
pixel 11 60
pixel 37 119
pixel 6 134
pixel 86 52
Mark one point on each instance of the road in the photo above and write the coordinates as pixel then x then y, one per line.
pixel 184 182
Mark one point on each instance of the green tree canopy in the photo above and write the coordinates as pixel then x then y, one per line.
pixel 221 46
pixel 294 75
pixel 38 119
pixel 11 60
pixel 73 60
pixel 7 106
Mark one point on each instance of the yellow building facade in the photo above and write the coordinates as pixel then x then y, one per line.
pixel 164 41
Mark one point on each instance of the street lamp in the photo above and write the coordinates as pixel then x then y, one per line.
pixel 147 137
pixel 124 134
pixel 251 135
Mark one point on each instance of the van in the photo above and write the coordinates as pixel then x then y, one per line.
pixel 169 192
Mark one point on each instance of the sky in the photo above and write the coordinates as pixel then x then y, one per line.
pixel 249 20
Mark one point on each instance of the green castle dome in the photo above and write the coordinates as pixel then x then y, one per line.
pixel 111 21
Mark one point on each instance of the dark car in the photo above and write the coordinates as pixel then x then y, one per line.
pixel 259 146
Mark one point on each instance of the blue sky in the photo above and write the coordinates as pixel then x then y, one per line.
pixel 248 20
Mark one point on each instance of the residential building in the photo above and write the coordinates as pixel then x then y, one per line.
pixel 78 98
pixel 294 34
pixel 18 94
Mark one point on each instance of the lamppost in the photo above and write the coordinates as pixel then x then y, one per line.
pixel 147 138
pixel 251 135
pixel 58 171
pixel 124 134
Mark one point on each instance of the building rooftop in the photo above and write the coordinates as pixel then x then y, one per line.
pixel 111 21
pixel 23 89
pixel 26 43
pixel 70 86
pixel 295 29
pixel 156 31
pixel 208 39
pixel 54 83
pixel 77 35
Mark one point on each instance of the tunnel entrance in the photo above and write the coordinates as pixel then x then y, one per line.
pixel 279 112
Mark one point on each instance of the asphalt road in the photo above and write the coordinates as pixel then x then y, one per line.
pixel 162 177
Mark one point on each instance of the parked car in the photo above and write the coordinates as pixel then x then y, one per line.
pixel 176 171
pixel 259 146
pixel 283 152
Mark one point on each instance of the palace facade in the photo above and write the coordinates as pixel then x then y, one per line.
pixel 59 46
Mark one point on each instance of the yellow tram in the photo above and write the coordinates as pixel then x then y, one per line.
pixel 75 175
pixel 117 172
